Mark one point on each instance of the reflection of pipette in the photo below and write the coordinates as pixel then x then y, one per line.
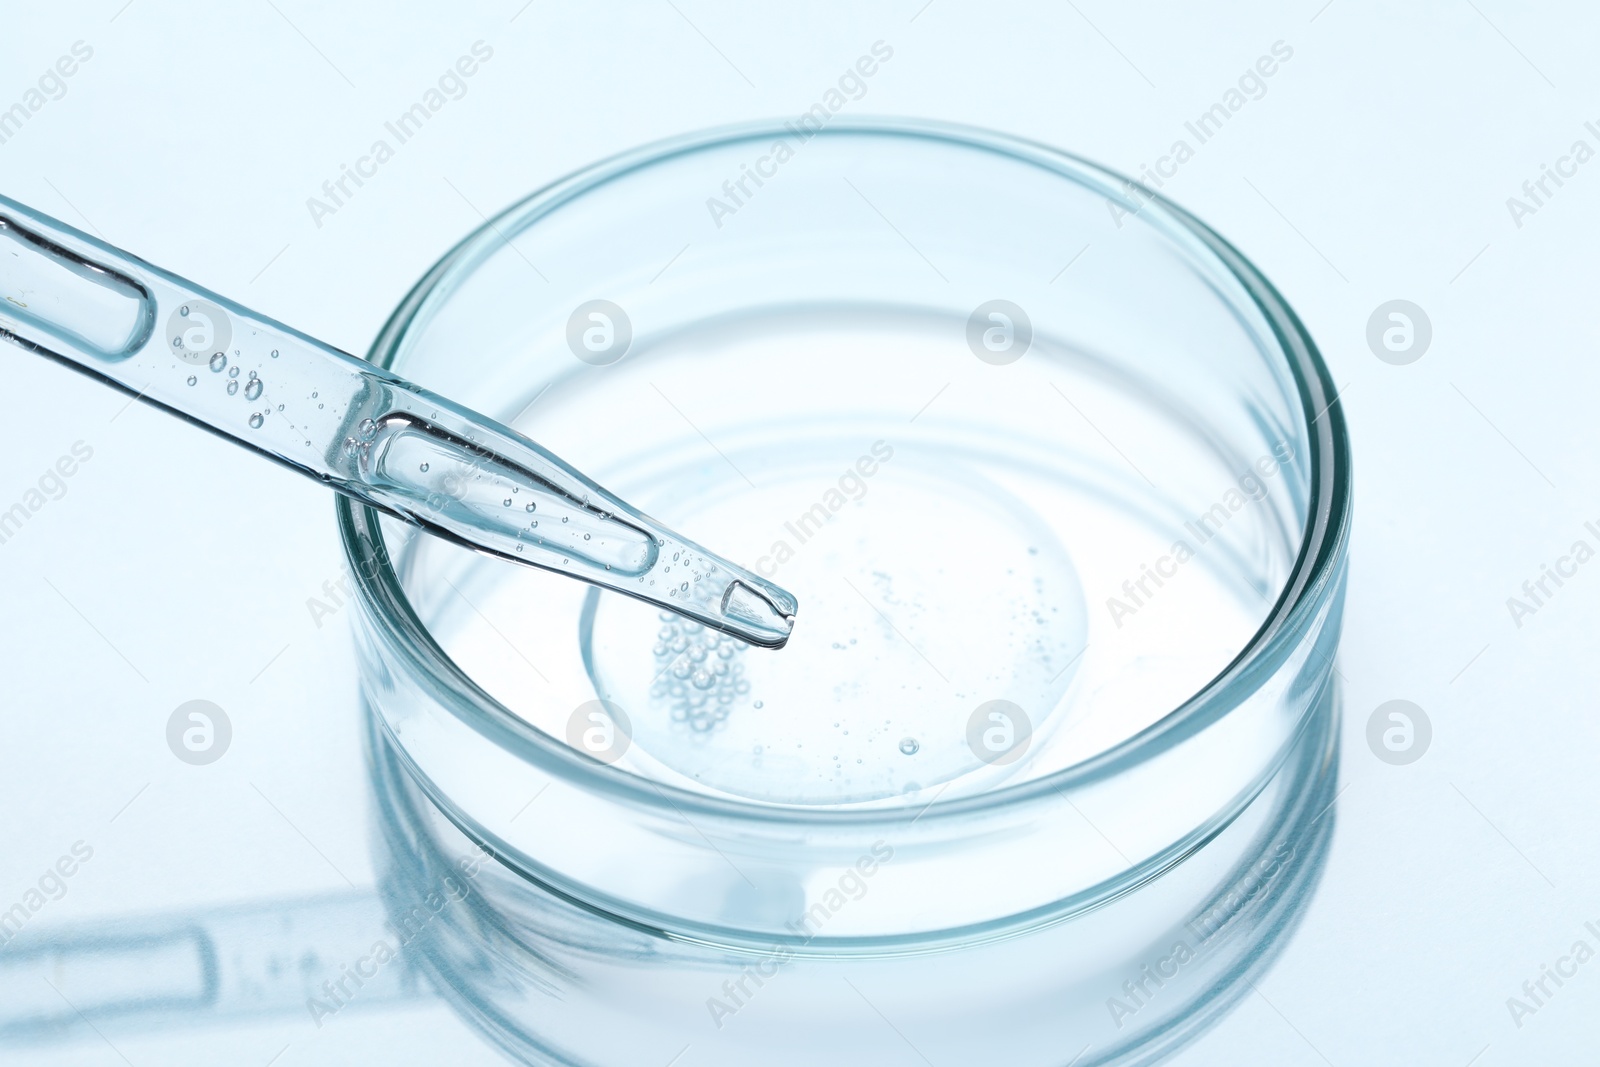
pixel 363 431
pixel 288 956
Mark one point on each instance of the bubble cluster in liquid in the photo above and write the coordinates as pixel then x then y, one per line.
pixel 877 646
pixel 699 673
pixel 251 384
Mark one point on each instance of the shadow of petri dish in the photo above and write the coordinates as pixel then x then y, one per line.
pixel 553 981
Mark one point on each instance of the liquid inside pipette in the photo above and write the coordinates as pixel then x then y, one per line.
pixel 518 505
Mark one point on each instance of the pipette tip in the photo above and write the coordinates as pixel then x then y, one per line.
pixel 763 616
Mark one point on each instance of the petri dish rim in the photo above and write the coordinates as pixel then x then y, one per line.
pixel 1312 579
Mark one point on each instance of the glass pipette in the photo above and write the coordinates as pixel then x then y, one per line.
pixel 353 426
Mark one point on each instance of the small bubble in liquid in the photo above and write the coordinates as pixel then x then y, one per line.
pixel 233 372
pixel 274 353
pixel 184 311
pixel 256 420
pixel 233 387
pixel 424 468
pixel 280 407
pixel 563 518
pixel 910 746
pixel 252 389
pixel 192 379
pixel 218 361
pixel 313 394
pixel 759 705
pixel 367 428
pixel 532 506
pixel 586 537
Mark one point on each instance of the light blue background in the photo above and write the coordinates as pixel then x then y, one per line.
pixel 1377 166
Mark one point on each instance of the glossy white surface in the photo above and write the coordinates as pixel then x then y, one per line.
pixel 1376 166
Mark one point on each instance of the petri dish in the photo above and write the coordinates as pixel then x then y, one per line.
pixel 1059 479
